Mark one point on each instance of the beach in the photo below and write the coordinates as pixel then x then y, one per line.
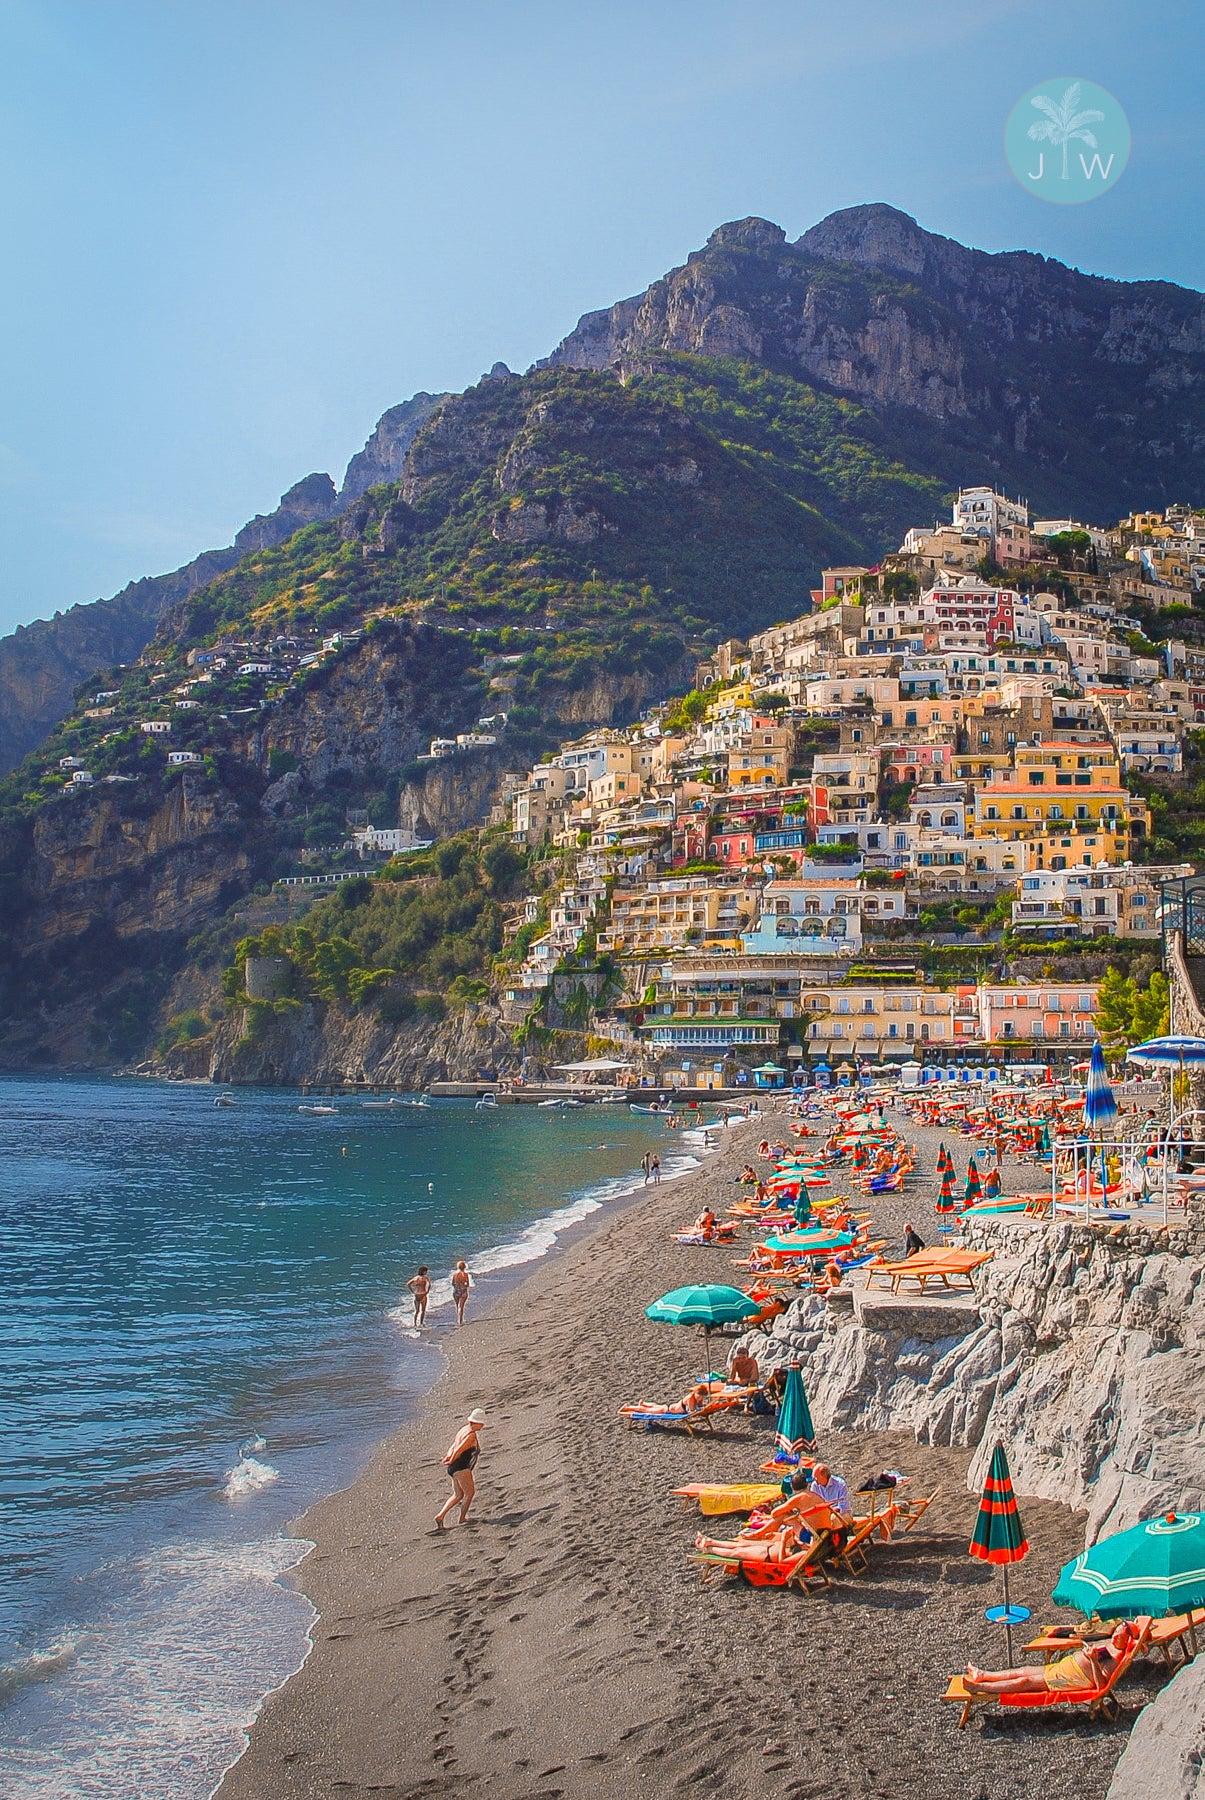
pixel 562 1643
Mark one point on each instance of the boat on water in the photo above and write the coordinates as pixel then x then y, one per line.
pixel 319 1112
pixel 486 1102
pixel 224 1100
pixel 380 1105
pixel 658 1112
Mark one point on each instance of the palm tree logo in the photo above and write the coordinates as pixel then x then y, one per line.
pixel 1063 124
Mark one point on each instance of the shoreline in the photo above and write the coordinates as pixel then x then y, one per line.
pixel 561 1644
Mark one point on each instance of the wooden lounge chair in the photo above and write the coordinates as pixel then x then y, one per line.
pixel 1098 1699
pixel 912 1510
pixel 850 1552
pixel 1178 1632
pixel 718 1497
pixel 799 1570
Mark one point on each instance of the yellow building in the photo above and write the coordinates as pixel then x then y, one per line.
pixel 1066 801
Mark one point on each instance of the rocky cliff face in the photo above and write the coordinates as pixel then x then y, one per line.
pixel 1020 348
pixel 329 1046
pixel 108 891
pixel 383 455
pixel 1083 1351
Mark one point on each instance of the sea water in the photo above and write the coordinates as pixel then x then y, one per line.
pixel 204 1328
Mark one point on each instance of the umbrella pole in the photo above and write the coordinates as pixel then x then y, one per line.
pixel 1008 1619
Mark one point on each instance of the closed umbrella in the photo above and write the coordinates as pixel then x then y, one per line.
pixel 1157 1567
pixel 1100 1105
pixel 793 1429
pixel 946 1202
pixel 703 1305
pixel 803 1205
pixel 974 1186
pixel 999 1535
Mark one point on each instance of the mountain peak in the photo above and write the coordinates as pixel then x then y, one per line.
pixel 747 234
pixel 881 237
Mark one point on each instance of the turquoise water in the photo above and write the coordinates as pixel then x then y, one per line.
pixel 202 1332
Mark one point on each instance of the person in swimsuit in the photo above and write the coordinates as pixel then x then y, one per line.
pixel 1088 1667
pixel 460 1463
pixel 420 1286
pixel 462 1281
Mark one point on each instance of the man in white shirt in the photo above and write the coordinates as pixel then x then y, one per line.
pixel 832 1489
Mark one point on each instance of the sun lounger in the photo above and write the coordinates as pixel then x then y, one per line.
pixel 690 1422
pixel 850 1550
pixel 1177 1632
pixel 913 1510
pixel 1098 1699
pixel 946 1266
pixel 798 1571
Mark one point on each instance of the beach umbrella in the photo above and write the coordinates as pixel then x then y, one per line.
pixel 974 1186
pixel 1100 1106
pixel 793 1429
pixel 1157 1567
pixel 803 1205
pixel 704 1305
pixel 946 1202
pixel 999 1535
pixel 1169 1052
pixel 944 1159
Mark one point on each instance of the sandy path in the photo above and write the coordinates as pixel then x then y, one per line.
pixel 562 1644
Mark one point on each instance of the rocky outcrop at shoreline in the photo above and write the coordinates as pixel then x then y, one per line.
pixel 1084 1350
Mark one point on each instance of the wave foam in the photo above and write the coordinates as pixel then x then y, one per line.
pixel 249 1476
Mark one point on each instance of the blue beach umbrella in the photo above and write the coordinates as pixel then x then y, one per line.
pixel 793 1430
pixel 1169 1053
pixel 1100 1105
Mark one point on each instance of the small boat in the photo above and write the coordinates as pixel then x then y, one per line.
pixel 224 1100
pixel 540 1103
pixel 319 1112
pixel 486 1101
pixel 423 1104
pixel 657 1111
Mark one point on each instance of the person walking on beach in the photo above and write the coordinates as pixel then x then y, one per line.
pixel 460 1462
pixel 646 1163
pixel 655 1167
pixel 420 1286
pixel 462 1281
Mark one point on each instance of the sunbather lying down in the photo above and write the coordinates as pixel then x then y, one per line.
pixel 1088 1667
pixel 692 1402
pixel 776 1548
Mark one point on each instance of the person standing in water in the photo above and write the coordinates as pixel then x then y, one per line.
pixel 460 1462
pixel 655 1169
pixel 420 1286
pixel 462 1281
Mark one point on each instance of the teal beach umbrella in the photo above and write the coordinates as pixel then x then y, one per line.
pixel 793 1430
pixel 703 1305
pixel 1156 1568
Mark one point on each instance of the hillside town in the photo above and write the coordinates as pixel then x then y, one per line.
pixel 943 743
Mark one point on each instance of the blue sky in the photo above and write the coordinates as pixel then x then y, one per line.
pixel 237 230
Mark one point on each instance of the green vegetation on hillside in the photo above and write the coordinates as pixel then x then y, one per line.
pixel 427 930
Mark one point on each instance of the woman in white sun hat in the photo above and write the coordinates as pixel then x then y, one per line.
pixel 460 1462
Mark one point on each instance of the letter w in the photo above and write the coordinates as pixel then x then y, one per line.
pixel 1095 166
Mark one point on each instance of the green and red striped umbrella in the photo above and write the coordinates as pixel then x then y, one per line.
pixel 944 1160
pixel 946 1202
pixel 999 1534
pixel 974 1186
